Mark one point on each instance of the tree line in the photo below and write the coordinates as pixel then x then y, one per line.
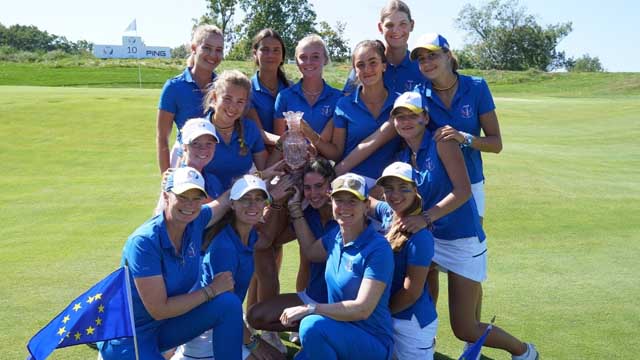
pixel 30 38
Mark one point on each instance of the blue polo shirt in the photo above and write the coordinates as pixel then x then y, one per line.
pixel 227 253
pixel 212 185
pixel 353 115
pixel 368 256
pixel 227 163
pixel 433 185
pixel 398 78
pixel 182 97
pixel 417 251
pixel 292 99
pixel 149 252
pixel 471 100
pixel 263 101
pixel 317 286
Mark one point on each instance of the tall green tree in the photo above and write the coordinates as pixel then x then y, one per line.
pixel 293 19
pixel 337 45
pixel 221 13
pixel 505 37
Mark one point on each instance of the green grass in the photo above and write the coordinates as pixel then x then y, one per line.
pixel 562 211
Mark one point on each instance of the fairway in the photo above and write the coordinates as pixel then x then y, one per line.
pixel 562 222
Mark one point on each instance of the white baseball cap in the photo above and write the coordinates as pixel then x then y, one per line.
pixel 245 184
pixel 184 179
pixel 409 100
pixel 352 183
pixel 430 41
pixel 197 127
pixel 398 169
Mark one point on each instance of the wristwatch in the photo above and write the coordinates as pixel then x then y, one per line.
pixel 468 139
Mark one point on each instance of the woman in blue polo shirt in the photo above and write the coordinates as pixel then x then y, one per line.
pixel 461 107
pixel 181 97
pixel 355 323
pixel 241 145
pixel 311 95
pixel 460 246
pixel 230 247
pixel 312 288
pixel 164 260
pixel 364 111
pixel 402 73
pixel 269 55
pixel 414 315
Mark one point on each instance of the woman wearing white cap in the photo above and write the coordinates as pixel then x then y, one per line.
pixel 181 97
pixel 230 248
pixel 356 321
pixel 414 315
pixel 460 246
pixel 164 261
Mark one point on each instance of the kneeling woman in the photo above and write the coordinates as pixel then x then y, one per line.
pixel 230 249
pixel 356 321
pixel 164 261
pixel 414 316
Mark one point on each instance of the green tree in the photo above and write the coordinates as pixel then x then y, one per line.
pixel 503 36
pixel 585 63
pixel 337 45
pixel 293 19
pixel 221 13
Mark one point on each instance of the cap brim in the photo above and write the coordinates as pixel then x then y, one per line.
pixel 403 178
pixel 431 47
pixel 186 187
pixel 414 109
pixel 354 192
pixel 197 135
pixel 251 189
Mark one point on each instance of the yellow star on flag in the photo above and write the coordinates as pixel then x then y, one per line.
pixel 77 307
pixel 90 330
pixel 90 299
pixel 98 296
pixel 101 308
pixel 77 336
pixel 66 319
pixel 61 331
pixel 98 322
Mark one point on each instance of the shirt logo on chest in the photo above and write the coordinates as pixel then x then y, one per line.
pixel 348 265
pixel 326 110
pixel 191 252
pixel 408 85
pixel 466 111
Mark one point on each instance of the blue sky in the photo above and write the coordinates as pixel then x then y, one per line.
pixel 606 30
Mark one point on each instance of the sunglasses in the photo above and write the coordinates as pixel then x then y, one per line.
pixel 348 183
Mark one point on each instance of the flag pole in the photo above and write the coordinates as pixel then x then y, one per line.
pixel 133 324
pixel 138 61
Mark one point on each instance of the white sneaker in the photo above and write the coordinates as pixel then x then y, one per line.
pixel 468 345
pixel 274 340
pixel 531 354
pixel 294 337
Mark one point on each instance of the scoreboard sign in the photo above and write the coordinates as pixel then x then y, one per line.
pixel 132 48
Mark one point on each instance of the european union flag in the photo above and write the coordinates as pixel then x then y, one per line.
pixel 474 350
pixel 101 313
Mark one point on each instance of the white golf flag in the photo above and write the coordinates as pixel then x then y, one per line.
pixel 131 27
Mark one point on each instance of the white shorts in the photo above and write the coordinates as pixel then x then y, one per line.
pixel 412 341
pixel 466 257
pixel 201 348
pixel 477 190
pixel 306 299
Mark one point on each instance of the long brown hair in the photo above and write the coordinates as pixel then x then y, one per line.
pixel 270 33
pixel 397 237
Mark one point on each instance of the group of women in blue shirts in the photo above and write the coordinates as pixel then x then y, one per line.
pixel 392 194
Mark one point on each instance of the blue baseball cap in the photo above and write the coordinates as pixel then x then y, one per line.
pixel 430 41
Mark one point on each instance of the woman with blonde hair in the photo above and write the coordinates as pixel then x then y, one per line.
pixel 181 97
pixel 241 145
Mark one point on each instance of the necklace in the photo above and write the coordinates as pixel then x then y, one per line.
pixel 309 93
pixel 455 81
pixel 224 129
